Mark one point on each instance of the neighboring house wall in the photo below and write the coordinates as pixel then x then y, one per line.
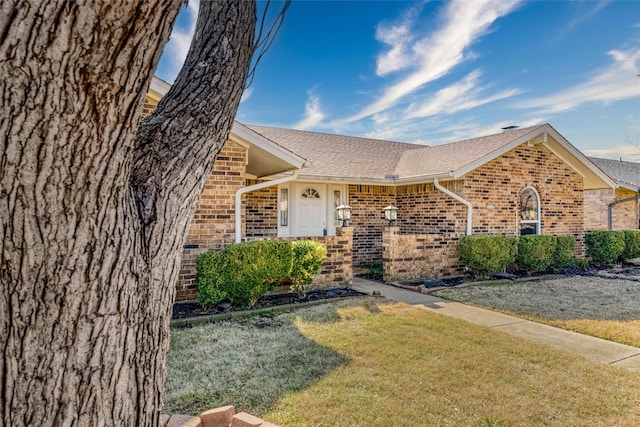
pixel 624 215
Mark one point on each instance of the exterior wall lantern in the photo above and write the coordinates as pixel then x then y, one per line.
pixel 390 214
pixel 344 214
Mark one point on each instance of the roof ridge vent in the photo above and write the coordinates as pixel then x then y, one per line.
pixel 510 128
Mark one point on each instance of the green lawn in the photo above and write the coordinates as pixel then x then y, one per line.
pixel 345 364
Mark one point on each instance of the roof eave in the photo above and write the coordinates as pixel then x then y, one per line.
pixel 243 135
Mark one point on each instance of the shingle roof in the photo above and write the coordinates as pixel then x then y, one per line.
pixel 624 173
pixel 450 157
pixel 338 155
pixel 363 158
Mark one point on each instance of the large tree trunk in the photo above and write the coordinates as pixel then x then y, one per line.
pixel 93 210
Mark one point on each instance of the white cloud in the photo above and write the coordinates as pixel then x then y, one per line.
pixel 313 115
pixel 616 82
pixel 246 94
pixel 178 45
pixel 399 38
pixel 463 95
pixel 624 152
pixel 436 54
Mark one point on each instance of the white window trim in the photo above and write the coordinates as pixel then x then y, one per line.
pixel 538 214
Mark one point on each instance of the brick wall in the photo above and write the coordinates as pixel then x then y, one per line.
pixel 337 268
pixel 262 212
pixel 494 190
pixel 213 224
pixel 595 208
pixel 149 105
pixel 423 209
pixel 367 220
pixel 596 217
pixel 411 256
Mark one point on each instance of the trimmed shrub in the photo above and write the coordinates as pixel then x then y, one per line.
pixel 209 278
pixel 604 247
pixel 243 272
pixel 535 253
pixel 631 244
pixel 308 257
pixel 486 255
pixel 563 256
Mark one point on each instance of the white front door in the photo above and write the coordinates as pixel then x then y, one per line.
pixel 310 210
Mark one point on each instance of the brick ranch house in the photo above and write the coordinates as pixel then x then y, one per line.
pixel 283 183
pixel 614 209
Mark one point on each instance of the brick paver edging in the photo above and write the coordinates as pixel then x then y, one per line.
pixel 224 416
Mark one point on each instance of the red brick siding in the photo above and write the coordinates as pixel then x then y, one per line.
pixel 262 212
pixel 494 190
pixel 337 268
pixel 422 209
pixel 213 224
pixel 367 220
pixel 419 255
pixel 148 106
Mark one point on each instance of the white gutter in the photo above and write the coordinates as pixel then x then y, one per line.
pixel 461 200
pixel 241 191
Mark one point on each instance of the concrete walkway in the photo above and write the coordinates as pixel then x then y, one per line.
pixel 590 347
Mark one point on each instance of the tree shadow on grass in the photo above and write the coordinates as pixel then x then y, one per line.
pixel 249 363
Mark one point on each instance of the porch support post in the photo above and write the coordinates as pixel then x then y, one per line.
pixel 261 185
pixel 461 200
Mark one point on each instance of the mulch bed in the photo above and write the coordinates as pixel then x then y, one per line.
pixel 183 310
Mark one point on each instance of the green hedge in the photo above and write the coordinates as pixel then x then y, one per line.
pixel 243 272
pixel 631 244
pixel 604 247
pixel 564 254
pixel 486 255
pixel 308 257
pixel 535 253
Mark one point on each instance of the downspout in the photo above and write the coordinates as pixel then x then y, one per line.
pixel 259 186
pixel 615 202
pixel 461 200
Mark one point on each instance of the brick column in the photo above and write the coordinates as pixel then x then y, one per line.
pixel 389 251
pixel 345 235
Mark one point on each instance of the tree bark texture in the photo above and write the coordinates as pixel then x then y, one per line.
pixel 95 204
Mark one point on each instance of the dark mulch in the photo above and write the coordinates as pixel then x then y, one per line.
pixel 615 271
pixel 182 310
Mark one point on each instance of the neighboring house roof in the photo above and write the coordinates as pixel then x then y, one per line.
pixel 625 174
pixel 363 160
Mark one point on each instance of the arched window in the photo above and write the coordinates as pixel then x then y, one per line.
pixel 310 193
pixel 529 212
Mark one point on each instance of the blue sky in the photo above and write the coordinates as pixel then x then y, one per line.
pixel 443 71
